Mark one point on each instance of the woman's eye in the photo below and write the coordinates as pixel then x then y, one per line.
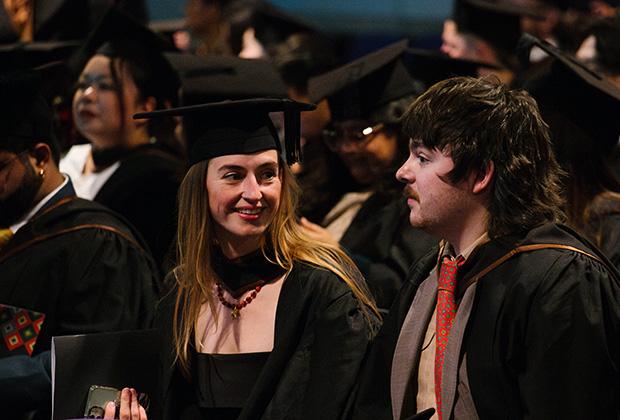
pixel 268 175
pixel 106 86
pixel 232 176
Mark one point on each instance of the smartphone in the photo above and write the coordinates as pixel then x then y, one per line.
pixel 98 397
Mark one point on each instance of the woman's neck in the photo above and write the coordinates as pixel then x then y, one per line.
pixel 237 250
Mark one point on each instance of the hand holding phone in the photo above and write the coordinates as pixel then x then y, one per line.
pixel 129 407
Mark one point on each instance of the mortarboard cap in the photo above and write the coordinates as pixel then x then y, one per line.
pixel 303 55
pixel 22 56
pixel 237 127
pixel 48 57
pixel 272 25
pixel 26 118
pixel 364 88
pixel 496 22
pixel 218 78
pixel 579 95
pixel 432 66
pixel 120 35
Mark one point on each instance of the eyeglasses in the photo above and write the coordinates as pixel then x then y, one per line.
pixel 95 83
pixel 335 137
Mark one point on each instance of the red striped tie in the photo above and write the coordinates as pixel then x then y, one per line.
pixel 446 311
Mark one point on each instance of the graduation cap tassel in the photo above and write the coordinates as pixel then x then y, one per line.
pixel 292 139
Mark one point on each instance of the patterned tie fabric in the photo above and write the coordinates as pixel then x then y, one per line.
pixel 5 237
pixel 446 311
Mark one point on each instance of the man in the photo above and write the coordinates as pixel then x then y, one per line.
pixel 73 262
pixel 525 323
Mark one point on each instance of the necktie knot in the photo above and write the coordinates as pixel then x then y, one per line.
pixel 448 272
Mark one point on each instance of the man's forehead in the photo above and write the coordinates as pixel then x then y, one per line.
pixel 416 143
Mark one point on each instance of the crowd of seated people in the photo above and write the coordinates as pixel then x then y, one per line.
pixel 313 230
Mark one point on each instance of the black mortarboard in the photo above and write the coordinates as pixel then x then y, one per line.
pixel 431 66
pixel 237 127
pixel 218 78
pixel 26 118
pixel 22 56
pixel 120 35
pixel 364 87
pixel 273 25
pixel 26 56
pixel 497 22
pixel 579 95
pixel 302 56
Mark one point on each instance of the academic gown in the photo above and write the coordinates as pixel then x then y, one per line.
pixel 144 190
pixel 384 245
pixel 542 340
pixel 320 340
pixel 85 269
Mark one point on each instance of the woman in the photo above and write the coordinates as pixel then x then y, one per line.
pixel 265 322
pixel 126 164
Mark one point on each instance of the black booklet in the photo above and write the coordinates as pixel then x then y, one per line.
pixel 87 371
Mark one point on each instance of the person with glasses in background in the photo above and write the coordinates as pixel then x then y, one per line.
pixel 364 136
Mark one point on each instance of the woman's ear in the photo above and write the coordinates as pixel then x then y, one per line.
pixel 147 105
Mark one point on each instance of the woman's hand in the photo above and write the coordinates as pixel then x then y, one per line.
pixel 317 232
pixel 130 408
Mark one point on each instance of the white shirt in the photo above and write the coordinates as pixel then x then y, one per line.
pixel 86 185
pixel 21 222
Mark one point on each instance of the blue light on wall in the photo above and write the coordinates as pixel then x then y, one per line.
pixel 402 17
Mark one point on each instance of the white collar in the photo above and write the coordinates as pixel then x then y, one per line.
pixel 22 221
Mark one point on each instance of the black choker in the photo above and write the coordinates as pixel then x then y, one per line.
pixel 244 273
pixel 102 158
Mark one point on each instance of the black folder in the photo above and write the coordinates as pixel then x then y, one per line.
pixel 116 360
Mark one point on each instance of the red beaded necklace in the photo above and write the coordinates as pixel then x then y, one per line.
pixel 236 307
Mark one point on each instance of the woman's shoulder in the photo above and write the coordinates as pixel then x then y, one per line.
pixel 318 281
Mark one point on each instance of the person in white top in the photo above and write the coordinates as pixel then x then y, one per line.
pixel 127 165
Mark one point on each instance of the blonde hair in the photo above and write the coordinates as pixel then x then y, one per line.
pixel 196 279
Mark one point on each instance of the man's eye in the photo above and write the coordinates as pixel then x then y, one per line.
pixel 421 158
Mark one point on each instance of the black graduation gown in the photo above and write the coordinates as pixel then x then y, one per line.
pixel 320 340
pixel 384 245
pixel 144 190
pixel 84 280
pixel 543 337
